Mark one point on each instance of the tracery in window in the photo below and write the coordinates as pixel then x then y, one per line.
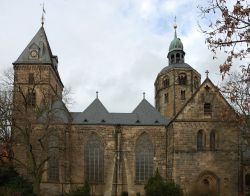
pixel 94 159
pixel 200 140
pixel 144 158
pixel 212 140
pixel 182 79
pixel 53 162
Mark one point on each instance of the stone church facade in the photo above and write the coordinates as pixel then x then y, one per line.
pixel 185 136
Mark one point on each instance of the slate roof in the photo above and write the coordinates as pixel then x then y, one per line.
pixel 41 43
pixel 175 65
pixel 96 113
pixel 45 56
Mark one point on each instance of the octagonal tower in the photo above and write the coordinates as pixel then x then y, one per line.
pixel 175 83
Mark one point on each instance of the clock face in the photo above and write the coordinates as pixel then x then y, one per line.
pixel 34 53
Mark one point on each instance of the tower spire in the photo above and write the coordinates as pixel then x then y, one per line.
pixel 175 27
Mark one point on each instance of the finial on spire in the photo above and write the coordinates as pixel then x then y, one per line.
pixel 97 94
pixel 175 27
pixel 207 72
pixel 144 95
pixel 42 18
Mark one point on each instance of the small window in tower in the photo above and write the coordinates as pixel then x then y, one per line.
pixel 183 95
pixel 207 109
pixel 31 97
pixel 31 78
pixel 177 58
pixel 182 78
pixel 166 83
pixel 196 82
pixel 166 98
pixel 172 58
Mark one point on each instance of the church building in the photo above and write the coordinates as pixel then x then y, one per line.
pixel 186 136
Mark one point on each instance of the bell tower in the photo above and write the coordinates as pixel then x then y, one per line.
pixel 36 77
pixel 175 83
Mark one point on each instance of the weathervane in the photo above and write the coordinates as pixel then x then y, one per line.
pixel 42 18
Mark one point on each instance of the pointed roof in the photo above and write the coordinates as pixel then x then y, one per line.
pixel 96 113
pixel 147 114
pixel 41 44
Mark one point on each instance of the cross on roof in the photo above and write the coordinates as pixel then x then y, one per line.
pixel 97 94
pixel 207 72
pixel 144 95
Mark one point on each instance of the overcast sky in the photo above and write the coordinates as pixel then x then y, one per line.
pixel 116 47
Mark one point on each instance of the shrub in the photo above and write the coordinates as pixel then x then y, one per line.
pixel 12 183
pixel 124 193
pixel 81 191
pixel 156 186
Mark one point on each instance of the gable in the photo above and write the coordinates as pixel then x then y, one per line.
pixel 207 103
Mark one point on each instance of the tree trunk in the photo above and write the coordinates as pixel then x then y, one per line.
pixel 36 187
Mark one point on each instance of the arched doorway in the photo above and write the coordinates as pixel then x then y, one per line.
pixel 207 184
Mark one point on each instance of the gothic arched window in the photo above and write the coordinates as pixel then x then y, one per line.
pixel 144 156
pixel 200 140
pixel 53 162
pixel 94 160
pixel 212 140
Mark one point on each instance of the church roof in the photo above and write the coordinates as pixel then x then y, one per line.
pixel 96 113
pixel 40 43
pixel 175 66
pixel 43 54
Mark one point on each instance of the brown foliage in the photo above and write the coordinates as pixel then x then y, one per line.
pixel 227 27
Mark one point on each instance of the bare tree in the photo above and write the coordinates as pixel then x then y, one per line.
pixel 236 89
pixel 6 96
pixel 28 121
pixel 227 26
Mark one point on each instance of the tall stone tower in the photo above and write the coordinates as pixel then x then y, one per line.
pixel 36 75
pixel 175 83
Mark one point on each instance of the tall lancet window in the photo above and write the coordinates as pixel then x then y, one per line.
pixel 144 158
pixel 200 140
pixel 94 159
pixel 53 162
